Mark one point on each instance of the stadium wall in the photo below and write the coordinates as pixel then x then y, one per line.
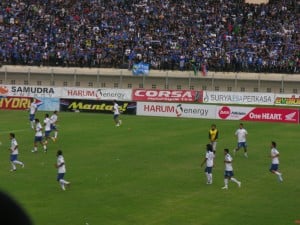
pixel 176 80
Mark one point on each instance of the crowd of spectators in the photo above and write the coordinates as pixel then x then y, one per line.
pixel 223 35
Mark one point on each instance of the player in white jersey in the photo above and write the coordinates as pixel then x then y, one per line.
pixel 116 113
pixel 14 152
pixel 241 134
pixel 32 110
pixel 228 174
pixel 38 138
pixel 54 120
pixel 47 124
pixel 275 161
pixel 209 160
pixel 61 167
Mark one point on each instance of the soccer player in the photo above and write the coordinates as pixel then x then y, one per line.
pixel 241 134
pixel 14 151
pixel 54 120
pixel 47 124
pixel 209 160
pixel 213 135
pixel 116 113
pixel 32 110
pixel 38 138
pixel 60 165
pixel 228 175
pixel 275 161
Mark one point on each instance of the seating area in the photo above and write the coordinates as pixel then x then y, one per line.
pixel 227 36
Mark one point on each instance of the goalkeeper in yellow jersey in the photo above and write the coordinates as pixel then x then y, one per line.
pixel 213 135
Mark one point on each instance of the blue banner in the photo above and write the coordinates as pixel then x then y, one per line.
pixel 140 68
pixel 48 104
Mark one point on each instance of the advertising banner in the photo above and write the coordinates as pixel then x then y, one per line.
pixel 16 103
pixel 176 110
pixel 248 98
pixel 287 100
pixel 23 103
pixel 97 93
pixel 258 114
pixel 48 104
pixel 167 95
pixel 30 91
pixel 83 105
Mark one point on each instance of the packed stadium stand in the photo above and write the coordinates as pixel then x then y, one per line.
pixel 220 35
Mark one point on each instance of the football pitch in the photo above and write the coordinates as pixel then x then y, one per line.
pixel 147 172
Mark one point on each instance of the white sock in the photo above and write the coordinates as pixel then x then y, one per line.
pixel 17 162
pixel 226 182
pixel 207 177
pixel 62 181
pixel 276 172
pixel 234 180
pixel 211 177
pixel 55 134
pixel 13 166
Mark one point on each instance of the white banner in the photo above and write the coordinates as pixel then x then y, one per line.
pixel 96 93
pixel 232 112
pixel 249 98
pixel 287 100
pixel 176 110
pixel 30 91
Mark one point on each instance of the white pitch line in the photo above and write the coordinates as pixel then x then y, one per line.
pixel 7 132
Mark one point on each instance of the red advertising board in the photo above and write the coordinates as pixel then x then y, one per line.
pixel 258 114
pixel 18 103
pixel 14 103
pixel 167 95
pixel 273 115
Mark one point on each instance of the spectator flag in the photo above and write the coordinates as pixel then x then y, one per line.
pixel 195 69
pixel 140 68
pixel 194 66
pixel 204 69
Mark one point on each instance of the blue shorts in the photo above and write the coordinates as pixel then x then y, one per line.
pixel 228 173
pixel 38 138
pixel 53 127
pixel 208 170
pixel 242 145
pixel 13 157
pixel 116 116
pixel 60 176
pixel 47 133
pixel 274 167
pixel 31 117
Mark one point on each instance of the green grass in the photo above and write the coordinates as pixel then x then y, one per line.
pixel 147 172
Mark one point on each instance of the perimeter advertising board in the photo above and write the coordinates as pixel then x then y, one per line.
pixel 83 105
pixel 30 91
pixel 167 95
pixel 165 109
pixel 176 110
pixel 258 114
pixel 287 100
pixel 23 103
pixel 244 98
pixel 96 93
